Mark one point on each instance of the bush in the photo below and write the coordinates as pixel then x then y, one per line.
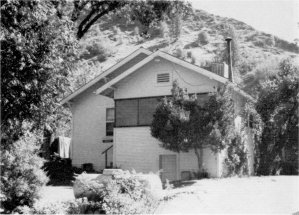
pixel 236 160
pixel 124 193
pixel 180 53
pixel 203 38
pixel 50 208
pixel 96 48
pixel 21 173
pixel 59 171
pixel 164 30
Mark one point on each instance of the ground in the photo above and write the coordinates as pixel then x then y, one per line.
pixel 272 194
pixel 275 194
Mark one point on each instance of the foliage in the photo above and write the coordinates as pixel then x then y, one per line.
pixel 49 208
pixel 182 124
pixel 123 194
pixel 59 171
pixel 278 108
pixel 21 174
pixel 95 48
pixel 236 160
pixel 127 195
pixel 203 38
pixel 36 47
pixel 176 25
pixel 180 52
pixel 164 29
pixel 147 13
pixel 83 206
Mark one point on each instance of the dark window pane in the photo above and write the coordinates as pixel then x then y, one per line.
pixel 109 128
pixel 147 107
pixel 126 112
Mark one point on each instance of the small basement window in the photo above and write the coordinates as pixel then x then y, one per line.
pixel 163 78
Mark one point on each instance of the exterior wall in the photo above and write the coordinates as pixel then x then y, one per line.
pixel 142 83
pixel 89 122
pixel 89 128
pixel 136 149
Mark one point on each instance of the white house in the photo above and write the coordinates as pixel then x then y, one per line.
pixel 112 116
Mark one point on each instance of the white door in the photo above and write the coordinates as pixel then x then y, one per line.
pixel 168 165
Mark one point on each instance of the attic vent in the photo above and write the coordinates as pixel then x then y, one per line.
pixel 163 78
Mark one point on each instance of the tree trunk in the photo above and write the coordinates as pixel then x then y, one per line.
pixel 199 156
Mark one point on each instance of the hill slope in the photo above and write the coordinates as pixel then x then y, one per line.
pixel 114 37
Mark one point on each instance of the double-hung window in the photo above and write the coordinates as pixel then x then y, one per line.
pixel 109 121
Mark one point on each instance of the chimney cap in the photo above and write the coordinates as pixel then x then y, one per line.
pixel 228 39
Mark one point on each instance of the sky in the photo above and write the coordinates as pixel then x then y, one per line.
pixel 277 17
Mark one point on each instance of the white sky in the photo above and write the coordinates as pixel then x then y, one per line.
pixel 278 17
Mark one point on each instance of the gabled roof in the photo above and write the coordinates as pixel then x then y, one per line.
pixel 166 56
pixel 105 73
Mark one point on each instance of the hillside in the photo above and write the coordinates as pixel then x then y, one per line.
pixel 114 37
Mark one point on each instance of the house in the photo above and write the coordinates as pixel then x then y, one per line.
pixel 112 116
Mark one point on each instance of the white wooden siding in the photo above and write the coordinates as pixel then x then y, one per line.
pixel 137 149
pixel 89 128
pixel 143 82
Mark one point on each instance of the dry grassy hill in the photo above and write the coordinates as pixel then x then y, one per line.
pixel 114 37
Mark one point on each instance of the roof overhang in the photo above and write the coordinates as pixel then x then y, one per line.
pixel 166 56
pixel 105 73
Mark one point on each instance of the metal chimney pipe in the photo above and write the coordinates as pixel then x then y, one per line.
pixel 230 66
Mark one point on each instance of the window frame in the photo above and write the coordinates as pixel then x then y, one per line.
pixel 109 122
pixel 138 99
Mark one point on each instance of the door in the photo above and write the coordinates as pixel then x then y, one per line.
pixel 168 165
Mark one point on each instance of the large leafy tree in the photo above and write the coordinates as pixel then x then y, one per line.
pixel 147 12
pixel 278 107
pixel 182 123
pixel 37 43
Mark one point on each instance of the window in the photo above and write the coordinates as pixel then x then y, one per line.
pixel 135 112
pixel 163 78
pixel 126 112
pixel 109 121
pixel 146 108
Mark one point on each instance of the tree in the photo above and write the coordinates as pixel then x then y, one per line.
pixel 36 49
pixel 278 107
pixel 181 123
pixel 203 38
pixel 147 12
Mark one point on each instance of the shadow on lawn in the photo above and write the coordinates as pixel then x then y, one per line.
pixel 180 184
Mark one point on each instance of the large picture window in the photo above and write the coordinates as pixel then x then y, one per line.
pixel 135 112
pixel 126 112
pixel 139 112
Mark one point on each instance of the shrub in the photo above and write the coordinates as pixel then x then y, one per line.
pixel 180 53
pixel 96 48
pixel 259 43
pixel 164 30
pixel 236 160
pixel 83 206
pixel 125 194
pixel 59 171
pixel 49 208
pixel 203 38
pixel 21 173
